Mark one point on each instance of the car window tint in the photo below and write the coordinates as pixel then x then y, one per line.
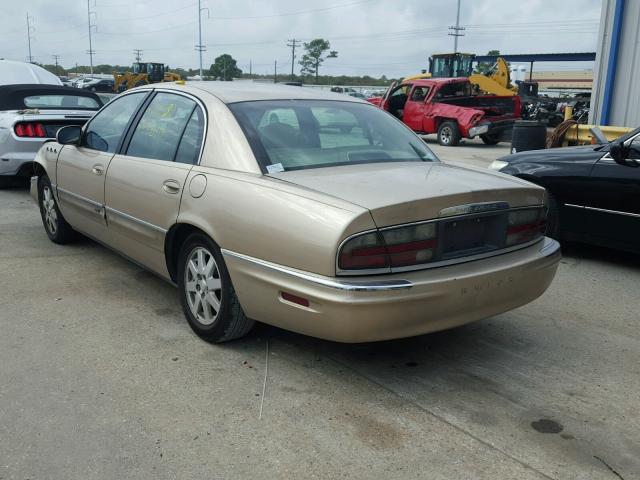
pixel 61 101
pixel 189 148
pixel 158 133
pixel 328 133
pixel 104 131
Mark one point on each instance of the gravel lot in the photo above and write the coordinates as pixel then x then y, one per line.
pixel 101 378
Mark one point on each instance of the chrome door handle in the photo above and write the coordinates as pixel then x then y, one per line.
pixel 97 170
pixel 171 186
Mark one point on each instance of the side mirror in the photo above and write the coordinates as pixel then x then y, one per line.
pixel 69 135
pixel 621 152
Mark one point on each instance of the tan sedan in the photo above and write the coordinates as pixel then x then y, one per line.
pixel 314 212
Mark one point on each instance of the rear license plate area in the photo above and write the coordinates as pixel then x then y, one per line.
pixel 471 236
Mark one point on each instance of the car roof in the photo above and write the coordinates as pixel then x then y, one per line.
pixel 12 72
pixel 244 91
pixel 12 96
pixel 437 81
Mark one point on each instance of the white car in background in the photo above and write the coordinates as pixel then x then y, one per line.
pixel 16 73
pixel 33 114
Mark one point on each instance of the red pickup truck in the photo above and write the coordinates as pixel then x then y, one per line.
pixel 448 107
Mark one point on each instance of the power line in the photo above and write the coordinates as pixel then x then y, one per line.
pixel 30 29
pixel 55 59
pixel 456 31
pixel 293 43
pixel 200 47
pixel 91 51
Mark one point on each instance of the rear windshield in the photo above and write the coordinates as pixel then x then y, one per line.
pixel 300 134
pixel 71 102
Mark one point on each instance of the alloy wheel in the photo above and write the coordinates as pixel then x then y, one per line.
pixel 445 135
pixel 203 286
pixel 49 210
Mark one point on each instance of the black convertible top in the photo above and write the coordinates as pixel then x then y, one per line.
pixel 12 96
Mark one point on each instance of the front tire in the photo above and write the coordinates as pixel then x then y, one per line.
pixel 208 299
pixel 448 134
pixel 489 139
pixel 57 228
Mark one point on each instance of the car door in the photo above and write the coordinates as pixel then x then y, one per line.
pixel 614 201
pixel 81 168
pixel 414 108
pixel 144 183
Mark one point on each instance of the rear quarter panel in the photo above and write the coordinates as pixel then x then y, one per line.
pixel 271 220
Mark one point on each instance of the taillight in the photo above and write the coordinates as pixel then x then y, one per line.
pixel 526 225
pixel 410 245
pixel 396 247
pixel 30 130
pixel 364 251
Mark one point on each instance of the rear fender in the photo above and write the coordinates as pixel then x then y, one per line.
pixel 464 116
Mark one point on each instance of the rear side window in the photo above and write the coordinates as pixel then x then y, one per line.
pixel 157 135
pixel 71 102
pixel 105 129
pixel 189 148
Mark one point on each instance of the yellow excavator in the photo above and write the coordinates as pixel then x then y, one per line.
pixel 143 73
pixel 444 65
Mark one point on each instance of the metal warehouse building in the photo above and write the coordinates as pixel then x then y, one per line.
pixel 616 86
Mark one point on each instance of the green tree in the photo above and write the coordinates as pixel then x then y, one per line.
pixel 225 68
pixel 315 55
pixel 484 68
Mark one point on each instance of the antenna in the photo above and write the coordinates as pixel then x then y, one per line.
pixel 293 43
pixel 30 30
pixel 456 30
pixel 91 51
pixel 200 47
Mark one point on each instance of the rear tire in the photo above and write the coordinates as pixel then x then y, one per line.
pixel 449 134
pixel 57 228
pixel 489 139
pixel 208 299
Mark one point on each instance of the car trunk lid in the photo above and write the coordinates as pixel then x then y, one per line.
pixel 404 192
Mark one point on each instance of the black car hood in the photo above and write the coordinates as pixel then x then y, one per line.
pixel 565 154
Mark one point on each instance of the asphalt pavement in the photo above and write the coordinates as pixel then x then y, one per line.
pixel 101 378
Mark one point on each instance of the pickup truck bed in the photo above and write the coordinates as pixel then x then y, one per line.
pixel 448 107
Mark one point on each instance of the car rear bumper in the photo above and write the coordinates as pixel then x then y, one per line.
pixel 362 309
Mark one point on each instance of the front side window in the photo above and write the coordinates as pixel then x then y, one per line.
pixel 105 130
pixel 160 129
pixel 70 102
pixel 301 134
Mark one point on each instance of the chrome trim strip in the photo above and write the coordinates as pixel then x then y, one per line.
pixel 135 219
pixel 550 247
pixel 79 197
pixel 350 286
pixel 604 210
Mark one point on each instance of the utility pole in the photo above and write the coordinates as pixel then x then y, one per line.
pixel 200 47
pixel 29 31
pixel 275 71
pixel 55 59
pixel 456 30
pixel 293 43
pixel 138 54
pixel 249 67
pixel 91 51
